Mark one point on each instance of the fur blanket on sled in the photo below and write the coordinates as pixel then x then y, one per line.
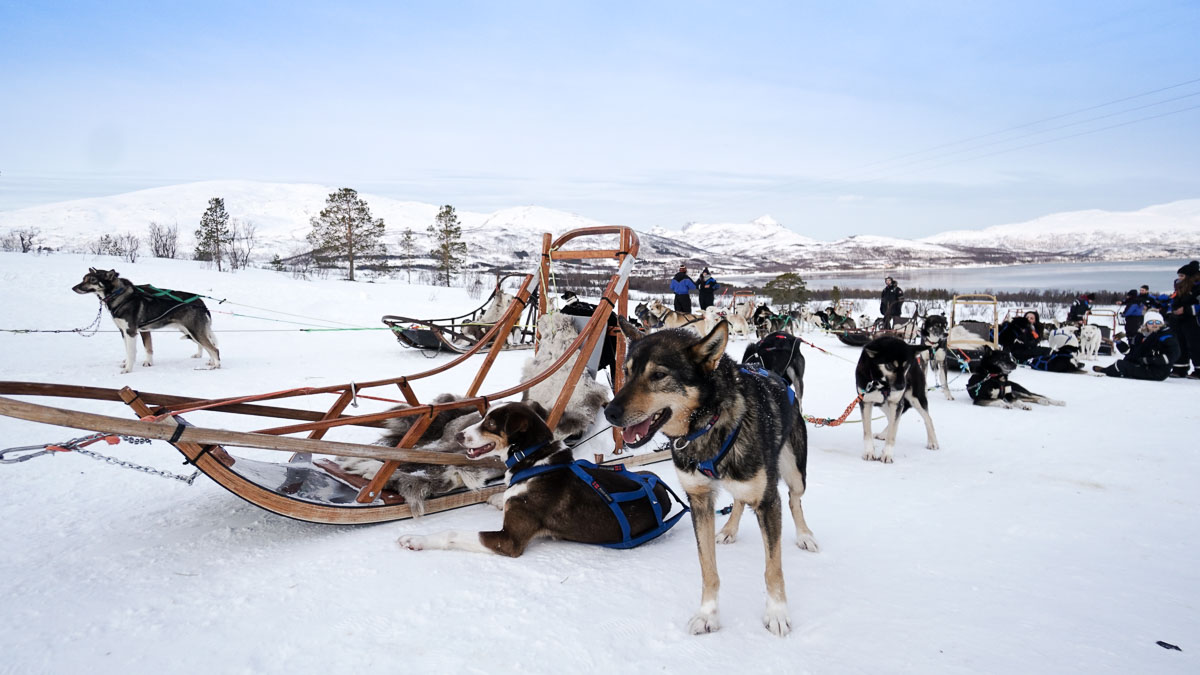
pixel 418 482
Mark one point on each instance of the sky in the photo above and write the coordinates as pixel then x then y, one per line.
pixel 894 118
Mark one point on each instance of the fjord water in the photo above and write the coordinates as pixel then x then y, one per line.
pixel 1083 276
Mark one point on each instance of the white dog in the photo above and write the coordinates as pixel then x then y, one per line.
pixel 737 323
pixel 1089 342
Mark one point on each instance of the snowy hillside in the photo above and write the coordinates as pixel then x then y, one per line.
pixel 1057 540
pixel 1156 231
pixel 281 214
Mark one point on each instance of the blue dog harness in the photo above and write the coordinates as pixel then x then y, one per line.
pixel 709 466
pixel 614 500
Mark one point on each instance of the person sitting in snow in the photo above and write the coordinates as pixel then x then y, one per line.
pixel 1151 352
pixel 682 286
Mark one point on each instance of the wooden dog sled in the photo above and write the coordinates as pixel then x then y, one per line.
pixel 461 333
pixel 313 489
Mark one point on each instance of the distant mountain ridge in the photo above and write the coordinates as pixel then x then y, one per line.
pixel 508 237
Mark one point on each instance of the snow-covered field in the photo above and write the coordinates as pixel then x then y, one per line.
pixel 1050 541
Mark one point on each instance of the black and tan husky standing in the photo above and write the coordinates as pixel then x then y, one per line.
pixel 728 427
pixel 889 376
pixel 141 309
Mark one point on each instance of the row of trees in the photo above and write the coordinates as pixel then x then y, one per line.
pixel 346 229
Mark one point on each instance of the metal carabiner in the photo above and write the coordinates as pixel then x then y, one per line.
pixel 43 450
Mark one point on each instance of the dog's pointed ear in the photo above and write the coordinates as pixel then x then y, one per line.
pixel 629 330
pixel 870 352
pixel 91 270
pixel 987 350
pixel 709 350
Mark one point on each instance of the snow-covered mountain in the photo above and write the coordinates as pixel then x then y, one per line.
pixel 509 237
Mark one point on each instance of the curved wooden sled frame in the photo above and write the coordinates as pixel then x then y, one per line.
pixel 160 413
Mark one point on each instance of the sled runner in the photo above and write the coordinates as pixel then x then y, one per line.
pixel 312 489
pixel 460 333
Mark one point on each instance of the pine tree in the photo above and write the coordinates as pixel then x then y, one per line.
pixel 449 248
pixel 408 249
pixel 787 288
pixel 345 228
pixel 214 236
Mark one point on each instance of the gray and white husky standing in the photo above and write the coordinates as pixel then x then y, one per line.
pixel 141 309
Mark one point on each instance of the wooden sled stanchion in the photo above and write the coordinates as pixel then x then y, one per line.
pixel 316 490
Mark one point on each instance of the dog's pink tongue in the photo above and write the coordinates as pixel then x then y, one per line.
pixel 633 433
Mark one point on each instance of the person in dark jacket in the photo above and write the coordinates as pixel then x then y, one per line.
pixel 708 286
pixel 1184 318
pixel 1135 307
pixel 1079 309
pixel 1020 336
pixel 1148 301
pixel 682 286
pixel 1152 351
pixel 890 301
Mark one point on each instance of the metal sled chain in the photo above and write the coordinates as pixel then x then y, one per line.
pixel 169 431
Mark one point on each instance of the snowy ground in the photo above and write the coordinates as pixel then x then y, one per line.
pixel 1049 541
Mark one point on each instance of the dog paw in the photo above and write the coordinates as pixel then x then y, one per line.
pixel 412 542
pixel 704 622
pixel 807 542
pixel 1056 402
pixel 724 537
pixel 1023 406
pixel 496 501
pixel 776 620
pixel 881 436
pixel 146 364
pixel 886 459
pixel 932 446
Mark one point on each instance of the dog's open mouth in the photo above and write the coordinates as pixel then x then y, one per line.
pixel 476 453
pixel 637 434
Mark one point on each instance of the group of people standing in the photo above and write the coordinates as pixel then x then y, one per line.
pixel 682 286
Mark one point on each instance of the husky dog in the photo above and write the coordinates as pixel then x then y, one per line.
pixel 780 354
pixel 737 323
pixel 669 318
pixel 992 387
pixel 888 376
pixel 553 504
pixel 141 309
pixel 933 335
pixel 1090 337
pixel 728 428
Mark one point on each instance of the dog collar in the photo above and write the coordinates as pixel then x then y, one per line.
pixel 520 455
pixel 112 295
pixel 683 441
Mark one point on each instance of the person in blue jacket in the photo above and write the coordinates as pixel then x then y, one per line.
pixel 708 286
pixel 1135 307
pixel 682 286
pixel 1151 352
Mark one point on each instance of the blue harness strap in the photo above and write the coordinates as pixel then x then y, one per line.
pixel 645 490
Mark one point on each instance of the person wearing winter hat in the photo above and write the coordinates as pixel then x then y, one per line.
pixel 708 286
pixel 890 301
pixel 1134 309
pixel 682 286
pixel 1185 319
pixel 1152 350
